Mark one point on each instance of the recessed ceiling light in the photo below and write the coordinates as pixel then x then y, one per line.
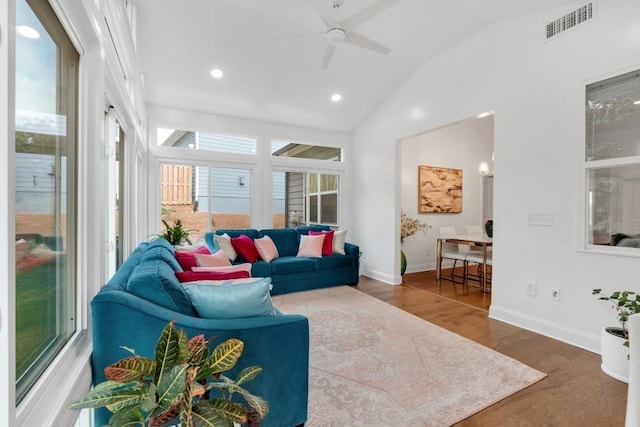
pixel 28 32
pixel 217 73
pixel 336 97
pixel 637 102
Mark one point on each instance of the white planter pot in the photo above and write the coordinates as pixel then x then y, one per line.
pixel 615 356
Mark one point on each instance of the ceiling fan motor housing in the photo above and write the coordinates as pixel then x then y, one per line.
pixel 335 36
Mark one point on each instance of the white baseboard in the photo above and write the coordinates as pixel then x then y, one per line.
pixel 562 333
pixel 382 277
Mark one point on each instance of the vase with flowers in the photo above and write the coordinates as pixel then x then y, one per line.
pixel 408 227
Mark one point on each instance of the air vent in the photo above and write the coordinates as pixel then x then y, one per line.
pixel 569 21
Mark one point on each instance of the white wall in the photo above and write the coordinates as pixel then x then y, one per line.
pixel 536 89
pixel 463 146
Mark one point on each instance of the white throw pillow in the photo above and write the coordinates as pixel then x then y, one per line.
pixel 224 242
pixel 311 246
pixel 339 238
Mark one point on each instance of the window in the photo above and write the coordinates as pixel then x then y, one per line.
pixel 304 198
pixel 304 151
pixel 612 161
pixel 206 141
pixel 114 195
pixel 46 75
pixel 205 198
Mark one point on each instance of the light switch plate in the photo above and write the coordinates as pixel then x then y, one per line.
pixel 540 219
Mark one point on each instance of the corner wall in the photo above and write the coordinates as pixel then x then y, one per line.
pixel 536 89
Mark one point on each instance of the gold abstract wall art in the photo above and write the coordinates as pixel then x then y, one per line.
pixel 439 190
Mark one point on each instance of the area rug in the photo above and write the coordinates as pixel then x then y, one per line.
pixel 372 364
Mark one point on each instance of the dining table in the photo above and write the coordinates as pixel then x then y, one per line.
pixel 465 239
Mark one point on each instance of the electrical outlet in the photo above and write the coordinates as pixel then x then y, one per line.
pixel 532 289
pixel 555 294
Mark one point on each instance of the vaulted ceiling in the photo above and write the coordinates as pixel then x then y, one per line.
pixel 271 53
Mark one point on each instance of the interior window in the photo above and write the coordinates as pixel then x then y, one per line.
pixel 46 74
pixel 612 161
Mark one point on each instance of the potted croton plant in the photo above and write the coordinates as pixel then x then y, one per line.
pixel 614 341
pixel 184 382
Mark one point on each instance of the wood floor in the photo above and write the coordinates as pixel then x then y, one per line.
pixel 574 393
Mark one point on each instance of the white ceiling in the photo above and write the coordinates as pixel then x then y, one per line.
pixel 271 53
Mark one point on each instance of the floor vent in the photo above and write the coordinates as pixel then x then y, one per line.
pixel 570 20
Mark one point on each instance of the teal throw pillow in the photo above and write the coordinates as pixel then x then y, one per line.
pixel 231 299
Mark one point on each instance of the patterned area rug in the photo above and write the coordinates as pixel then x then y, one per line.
pixel 372 364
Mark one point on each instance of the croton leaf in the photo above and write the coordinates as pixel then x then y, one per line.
pixel 228 409
pixel 99 398
pixel 130 369
pixel 198 349
pixel 247 374
pixel 224 357
pixel 256 402
pixel 171 387
pixel 129 416
pixel 166 417
pixel 127 397
pixel 206 416
pixel 167 351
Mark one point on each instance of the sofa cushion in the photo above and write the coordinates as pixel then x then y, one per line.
pixel 285 239
pixel 245 248
pixel 266 248
pixel 232 299
pixel 192 276
pixel 339 238
pixel 261 269
pixel 285 265
pixel 235 267
pixel 162 253
pixel 327 245
pixel 218 259
pixel 251 232
pixel 310 246
pixel 187 259
pixel 155 281
pixel 334 261
pixel 223 241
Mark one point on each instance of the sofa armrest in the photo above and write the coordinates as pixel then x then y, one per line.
pixel 354 252
pixel 279 344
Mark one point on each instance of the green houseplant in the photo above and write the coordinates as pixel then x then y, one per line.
pixel 176 234
pixel 183 381
pixel 614 341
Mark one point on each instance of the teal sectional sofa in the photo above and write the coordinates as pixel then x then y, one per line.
pixel 290 273
pixel 144 295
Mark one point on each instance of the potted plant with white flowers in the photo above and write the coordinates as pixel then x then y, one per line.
pixel 408 227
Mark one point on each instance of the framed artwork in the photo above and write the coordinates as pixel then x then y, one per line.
pixel 439 190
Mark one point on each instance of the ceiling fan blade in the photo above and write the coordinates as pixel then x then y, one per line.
pixel 359 40
pixel 328 54
pixel 322 13
pixel 366 14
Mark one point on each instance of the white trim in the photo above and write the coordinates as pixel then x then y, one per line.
pixel 7 215
pixel 589 342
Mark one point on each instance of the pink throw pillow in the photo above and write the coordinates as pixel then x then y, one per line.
pixel 266 248
pixel 311 246
pixel 327 245
pixel 218 259
pixel 237 267
pixel 187 259
pixel 245 247
pixel 193 276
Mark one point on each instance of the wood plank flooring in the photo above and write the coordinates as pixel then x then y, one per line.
pixel 574 393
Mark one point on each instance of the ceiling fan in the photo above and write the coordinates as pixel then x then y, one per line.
pixel 341 31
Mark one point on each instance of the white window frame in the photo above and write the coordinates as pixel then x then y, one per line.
pixel 587 166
